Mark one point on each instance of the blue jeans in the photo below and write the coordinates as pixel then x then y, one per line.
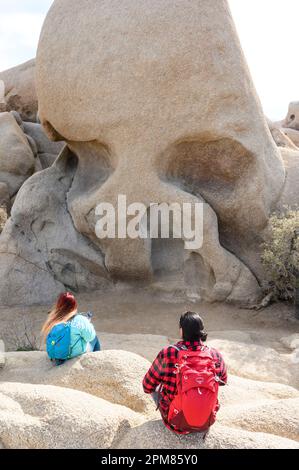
pixel 94 345
pixel 156 396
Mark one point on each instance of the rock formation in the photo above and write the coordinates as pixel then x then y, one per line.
pixel 47 151
pixel 290 193
pixel 67 419
pixel 2 97
pixel 173 103
pixel 17 160
pixel 112 375
pixel 20 90
pixel 86 403
pixel 280 136
pixel 24 150
pixel 286 136
pixel 286 132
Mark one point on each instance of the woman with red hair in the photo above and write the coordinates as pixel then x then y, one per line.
pixel 69 334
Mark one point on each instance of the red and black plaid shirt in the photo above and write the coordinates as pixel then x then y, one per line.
pixel 162 372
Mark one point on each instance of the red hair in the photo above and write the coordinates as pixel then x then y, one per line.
pixel 65 308
pixel 66 302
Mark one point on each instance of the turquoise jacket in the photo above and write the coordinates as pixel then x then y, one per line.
pixel 82 333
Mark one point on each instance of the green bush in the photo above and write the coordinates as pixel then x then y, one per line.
pixel 280 256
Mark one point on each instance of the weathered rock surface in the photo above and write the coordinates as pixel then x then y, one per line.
pixel 31 247
pixel 3 217
pixel 47 417
pixel 290 193
pixel 17 160
pixel 258 362
pixel 146 346
pixel 24 150
pixel 280 417
pixel 242 391
pixel 47 151
pixel 153 435
pixel 286 132
pixel 199 147
pixel 4 203
pixel 286 136
pixel 2 354
pixel 102 374
pixel 292 119
pixel 291 342
pixel 51 413
pixel 20 90
pixel 292 135
pixel 281 136
pixel 2 97
pixel 115 376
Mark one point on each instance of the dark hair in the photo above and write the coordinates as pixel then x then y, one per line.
pixel 193 327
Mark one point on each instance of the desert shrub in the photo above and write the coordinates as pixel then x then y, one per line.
pixel 21 335
pixel 3 217
pixel 280 256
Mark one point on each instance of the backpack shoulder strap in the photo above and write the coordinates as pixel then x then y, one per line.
pixel 183 348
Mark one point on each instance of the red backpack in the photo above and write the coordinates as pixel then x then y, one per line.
pixel 195 404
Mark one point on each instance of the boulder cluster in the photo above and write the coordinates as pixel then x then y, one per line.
pixel 97 401
pixel 24 147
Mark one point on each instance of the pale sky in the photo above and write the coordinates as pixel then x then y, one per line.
pixel 268 30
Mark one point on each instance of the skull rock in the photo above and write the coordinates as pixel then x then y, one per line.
pixel 155 101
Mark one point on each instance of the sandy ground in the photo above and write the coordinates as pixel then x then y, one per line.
pixel 145 314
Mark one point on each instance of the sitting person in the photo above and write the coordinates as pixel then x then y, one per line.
pixel 184 380
pixel 69 334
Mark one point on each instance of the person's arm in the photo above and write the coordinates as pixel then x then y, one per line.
pixel 221 367
pixel 87 330
pixel 154 375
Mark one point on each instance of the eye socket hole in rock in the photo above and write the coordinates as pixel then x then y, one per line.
pixel 96 163
pixel 217 169
pixel 214 168
pixel 206 166
pixel 292 117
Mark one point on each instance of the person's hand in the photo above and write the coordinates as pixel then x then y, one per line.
pixel 89 315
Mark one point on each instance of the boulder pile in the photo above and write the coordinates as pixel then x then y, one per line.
pixel 97 401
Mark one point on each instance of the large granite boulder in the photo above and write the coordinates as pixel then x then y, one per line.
pixel 96 401
pixel 20 90
pixel 158 89
pixel 17 161
pixel 115 376
pixel 47 417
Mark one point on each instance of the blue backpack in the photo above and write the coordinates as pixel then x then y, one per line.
pixel 59 342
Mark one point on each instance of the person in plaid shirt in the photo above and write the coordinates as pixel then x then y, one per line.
pixel 160 380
